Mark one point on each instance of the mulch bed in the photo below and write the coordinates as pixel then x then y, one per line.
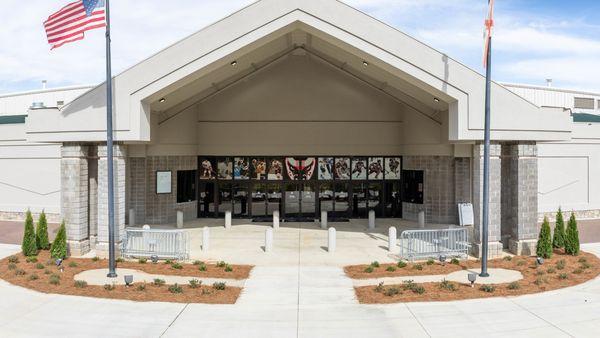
pixel 21 272
pixel 551 275
pixel 358 271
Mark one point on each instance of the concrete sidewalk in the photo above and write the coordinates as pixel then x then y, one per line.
pixel 301 301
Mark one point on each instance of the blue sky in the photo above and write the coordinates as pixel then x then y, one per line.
pixel 534 39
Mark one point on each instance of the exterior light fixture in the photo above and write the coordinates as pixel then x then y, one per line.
pixel 472 278
pixel 539 260
pixel 436 100
pixel 234 63
pixel 58 262
pixel 154 259
pixel 162 100
pixel 442 259
pixel 365 63
pixel 128 279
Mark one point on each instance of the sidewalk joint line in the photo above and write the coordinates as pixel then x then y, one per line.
pixel 542 319
pixel 174 319
pixel 417 319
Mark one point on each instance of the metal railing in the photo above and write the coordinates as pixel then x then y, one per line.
pixel 172 244
pixel 422 244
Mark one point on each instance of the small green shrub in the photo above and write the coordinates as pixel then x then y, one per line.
pixel 563 276
pixel 408 284
pixel 582 260
pixel 31 259
pixel 572 237
pixel 418 267
pixel 158 282
pixel 12 266
pixel 72 264
pixel 194 283
pixel 228 268
pixel 390 268
pixel 47 272
pixel 198 262
pixel 539 273
pixel 175 288
pixel 33 277
pixel 141 287
pixel 13 259
pixel 447 285
pixel 80 284
pixel 487 288
pixel 561 264
pixel 41 233
pixel 578 271
pixel 176 266
pixel 401 264
pixel 95 259
pixel 418 290
pixel 202 267
pixel 219 286
pixel 29 245
pixel 221 264
pixel 20 272
pixel 507 258
pixel 375 264
pixel 558 240
pixel 540 280
pixel 454 261
pixel 430 261
pixel 58 249
pixel 109 287
pixel 544 243
pixel 120 260
pixel 514 286
pixel 585 265
pixel 54 279
pixel 391 291
pixel 521 263
pixel 369 269
pixel 207 291
pixel 379 287
pixel 168 261
pixel 551 270
pixel 142 260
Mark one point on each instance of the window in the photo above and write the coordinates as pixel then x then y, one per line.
pixel 413 186
pixel 584 103
pixel 186 186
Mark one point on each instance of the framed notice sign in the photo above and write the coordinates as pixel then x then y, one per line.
pixel 163 182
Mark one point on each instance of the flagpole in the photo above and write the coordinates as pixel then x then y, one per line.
pixel 109 152
pixel 486 163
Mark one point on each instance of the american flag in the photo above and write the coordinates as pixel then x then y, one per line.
pixel 70 23
pixel 487 34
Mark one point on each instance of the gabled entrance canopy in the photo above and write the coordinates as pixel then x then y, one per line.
pixel 194 69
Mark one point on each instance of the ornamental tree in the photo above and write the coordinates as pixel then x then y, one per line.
pixel 558 241
pixel 29 246
pixel 572 237
pixel 59 246
pixel 41 233
pixel 544 244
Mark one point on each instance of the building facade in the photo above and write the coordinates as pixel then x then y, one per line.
pixel 301 107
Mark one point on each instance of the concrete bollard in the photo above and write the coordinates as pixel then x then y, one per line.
pixel 421 218
pixel 392 236
pixel 331 240
pixel 227 219
pixel 205 239
pixel 275 219
pixel 179 219
pixel 371 219
pixel 268 240
pixel 131 217
pixel 323 219
pixel 146 227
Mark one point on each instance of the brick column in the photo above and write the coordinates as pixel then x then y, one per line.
pixel 494 244
pixel 74 197
pixel 119 171
pixel 520 197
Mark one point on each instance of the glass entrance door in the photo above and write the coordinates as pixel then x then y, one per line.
pixel 341 201
pixel 374 198
pixel 273 198
pixel 359 199
pixel 206 200
pixel 225 199
pixel 300 202
pixel 259 202
pixel 240 200
pixel 393 204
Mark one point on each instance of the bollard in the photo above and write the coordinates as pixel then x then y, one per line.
pixel 179 219
pixel 323 219
pixel 268 240
pixel 131 217
pixel 227 219
pixel 371 219
pixel 205 239
pixel 146 227
pixel 392 239
pixel 275 219
pixel 421 219
pixel 331 240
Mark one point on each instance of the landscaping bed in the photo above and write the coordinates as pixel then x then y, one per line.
pixel 557 272
pixel 376 270
pixel 42 274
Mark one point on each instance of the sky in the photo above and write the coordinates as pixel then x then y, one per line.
pixel 533 40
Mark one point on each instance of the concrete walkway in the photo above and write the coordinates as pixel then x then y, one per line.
pixel 301 301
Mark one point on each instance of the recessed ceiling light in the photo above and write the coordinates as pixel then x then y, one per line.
pixel 436 99
pixel 365 63
pixel 234 63
pixel 162 100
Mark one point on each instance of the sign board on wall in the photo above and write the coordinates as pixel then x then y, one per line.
pixel 163 182
pixel 465 214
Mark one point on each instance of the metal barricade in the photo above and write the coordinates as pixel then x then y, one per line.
pixel 422 244
pixel 172 244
